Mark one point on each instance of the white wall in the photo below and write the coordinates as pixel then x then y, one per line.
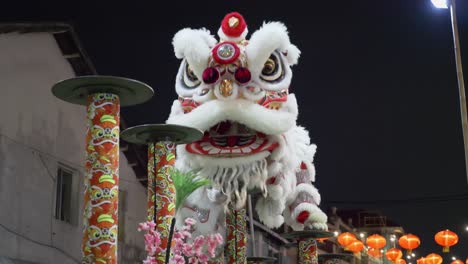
pixel 38 131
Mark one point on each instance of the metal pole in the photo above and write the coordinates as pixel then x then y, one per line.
pixel 461 83
pixel 252 230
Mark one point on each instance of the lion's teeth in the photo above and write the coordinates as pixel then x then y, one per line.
pixel 246 150
pixel 255 145
pixel 214 151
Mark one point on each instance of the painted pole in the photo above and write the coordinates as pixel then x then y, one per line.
pixel 307 250
pixel 335 258
pixel 99 244
pixel 161 140
pixel 103 96
pixel 236 235
pixel 151 183
pixel 165 192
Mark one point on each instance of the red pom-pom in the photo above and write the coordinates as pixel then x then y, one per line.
pixel 302 216
pixel 210 75
pixel 233 25
pixel 242 75
pixel 272 180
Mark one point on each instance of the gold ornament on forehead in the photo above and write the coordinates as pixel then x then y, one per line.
pixel 233 22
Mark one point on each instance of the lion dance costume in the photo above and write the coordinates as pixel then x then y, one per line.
pixel 237 92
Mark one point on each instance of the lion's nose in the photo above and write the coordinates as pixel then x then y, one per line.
pixel 226 88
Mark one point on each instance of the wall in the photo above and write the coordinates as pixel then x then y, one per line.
pixel 37 132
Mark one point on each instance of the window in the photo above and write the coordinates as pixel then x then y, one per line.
pixel 63 194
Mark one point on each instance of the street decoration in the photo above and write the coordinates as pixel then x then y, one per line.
pixel 409 242
pixel 433 259
pixel 393 254
pixel 457 261
pixel 446 239
pixel 374 252
pixel 376 241
pixel 421 260
pixel 355 247
pixel 344 239
pixel 400 261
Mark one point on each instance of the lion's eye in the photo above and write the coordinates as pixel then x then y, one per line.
pixel 269 67
pixel 189 79
pixel 272 69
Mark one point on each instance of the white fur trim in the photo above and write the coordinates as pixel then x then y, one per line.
pixel 269 211
pixel 270 37
pixel 223 36
pixel 195 46
pixel 316 215
pixel 255 116
pixel 275 191
pixel 308 188
pixel 293 54
pixel 274 168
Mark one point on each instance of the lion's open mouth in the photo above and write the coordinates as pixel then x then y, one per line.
pixel 230 139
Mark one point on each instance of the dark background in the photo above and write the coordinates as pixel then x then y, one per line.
pixel 376 86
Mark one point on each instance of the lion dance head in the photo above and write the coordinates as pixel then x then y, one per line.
pixel 236 90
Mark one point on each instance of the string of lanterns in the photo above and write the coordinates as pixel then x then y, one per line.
pixel 375 243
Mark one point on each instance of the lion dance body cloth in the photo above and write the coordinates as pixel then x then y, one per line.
pixel 237 92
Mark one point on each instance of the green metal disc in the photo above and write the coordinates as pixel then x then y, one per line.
pixel 316 234
pixel 76 90
pixel 261 259
pixel 152 133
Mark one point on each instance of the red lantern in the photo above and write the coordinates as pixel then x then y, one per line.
pixel 446 239
pixel 457 262
pixel 433 259
pixel 346 238
pixel 393 254
pixel 421 260
pixel 376 241
pixel 400 261
pixel 355 246
pixel 374 252
pixel 409 242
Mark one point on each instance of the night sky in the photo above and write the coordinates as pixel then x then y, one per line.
pixel 376 87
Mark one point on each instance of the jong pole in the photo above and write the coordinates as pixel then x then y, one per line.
pixel 307 250
pixel 161 140
pixel 103 96
pixel 236 235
